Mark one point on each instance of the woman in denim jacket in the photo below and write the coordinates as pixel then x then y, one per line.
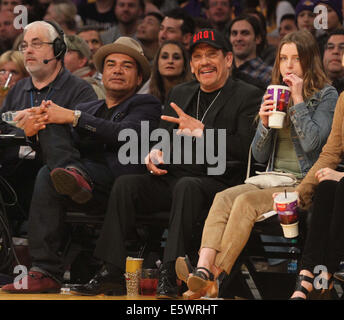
pixel 310 125
pixel 292 149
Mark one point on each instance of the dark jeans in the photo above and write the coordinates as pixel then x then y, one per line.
pixel 46 219
pixel 21 176
pixel 325 239
pixel 188 200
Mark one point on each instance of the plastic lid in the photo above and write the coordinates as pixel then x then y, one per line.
pixel 291 196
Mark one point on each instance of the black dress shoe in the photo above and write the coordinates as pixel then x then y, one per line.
pixel 103 282
pixel 167 285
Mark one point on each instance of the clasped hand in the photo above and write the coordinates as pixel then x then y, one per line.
pixel 34 119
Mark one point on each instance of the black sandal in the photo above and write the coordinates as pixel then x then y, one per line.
pixel 299 287
pixel 200 279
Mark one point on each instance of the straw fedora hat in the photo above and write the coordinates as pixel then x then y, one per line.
pixel 126 46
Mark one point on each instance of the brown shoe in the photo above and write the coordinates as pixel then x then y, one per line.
pixel 72 183
pixel 34 282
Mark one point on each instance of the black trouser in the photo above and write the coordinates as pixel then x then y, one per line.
pixel 46 224
pixel 21 176
pixel 48 208
pixel 187 198
pixel 58 151
pixel 325 239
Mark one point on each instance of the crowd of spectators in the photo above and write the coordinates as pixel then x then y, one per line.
pixel 80 71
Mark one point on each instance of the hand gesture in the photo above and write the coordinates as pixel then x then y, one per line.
pixel 152 160
pixel 295 84
pixel 188 125
pixel 57 114
pixel 31 120
pixel 265 110
pixel 328 174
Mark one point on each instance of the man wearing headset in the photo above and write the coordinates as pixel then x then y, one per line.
pixel 43 48
pixel 81 163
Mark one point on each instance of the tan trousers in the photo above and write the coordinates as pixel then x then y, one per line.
pixel 231 219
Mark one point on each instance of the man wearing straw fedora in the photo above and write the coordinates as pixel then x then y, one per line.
pixel 81 149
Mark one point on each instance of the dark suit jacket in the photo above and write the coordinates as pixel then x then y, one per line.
pixel 128 115
pixel 234 110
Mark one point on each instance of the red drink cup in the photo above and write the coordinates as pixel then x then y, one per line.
pixel 286 205
pixel 149 282
pixel 280 95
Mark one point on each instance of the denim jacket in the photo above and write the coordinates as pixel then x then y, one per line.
pixel 311 123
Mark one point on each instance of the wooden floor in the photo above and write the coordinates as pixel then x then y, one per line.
pixel 53 296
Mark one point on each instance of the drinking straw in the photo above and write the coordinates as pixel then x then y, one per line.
pixel 8 80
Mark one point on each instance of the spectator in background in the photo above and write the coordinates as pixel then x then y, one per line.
pixel 128 15
pixel 245 38
pixel 171 67
pixel 148 34
pixel 9 4
pixel 11 62
pixel 219 14
pixel 287 25
pixel 8 32
pixel 273 10
pixel 334 20
pixel 92 37
pixel 305 15
pixel 177 25
pixel 267 51
pixel 333 59
pixel 100 13
pixel 77 59
pixel 64 12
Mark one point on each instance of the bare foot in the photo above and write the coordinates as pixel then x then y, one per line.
pixel 308 286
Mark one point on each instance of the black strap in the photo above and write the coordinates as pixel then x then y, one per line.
pixel 203 275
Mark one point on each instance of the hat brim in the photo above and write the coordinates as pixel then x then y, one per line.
pixel 210 43
pixel 104 51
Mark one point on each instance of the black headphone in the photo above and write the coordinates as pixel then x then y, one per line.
pixel 59 46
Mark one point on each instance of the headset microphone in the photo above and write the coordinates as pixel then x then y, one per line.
pixel 46 61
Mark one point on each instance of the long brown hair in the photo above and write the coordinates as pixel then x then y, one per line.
pixel 314 77
pixel 156 87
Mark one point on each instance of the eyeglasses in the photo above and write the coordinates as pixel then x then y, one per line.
pixel 36 44
pixel 332 46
